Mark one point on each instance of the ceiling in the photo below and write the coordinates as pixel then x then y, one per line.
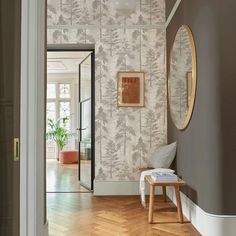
pixel 65 62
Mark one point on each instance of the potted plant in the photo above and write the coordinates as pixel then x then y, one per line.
pixel 58 133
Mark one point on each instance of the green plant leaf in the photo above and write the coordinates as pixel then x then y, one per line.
pixel 58 133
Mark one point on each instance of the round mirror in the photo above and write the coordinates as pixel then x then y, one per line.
pixel 182 78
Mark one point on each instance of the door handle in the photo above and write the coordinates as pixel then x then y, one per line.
pixel 16 149
pixel 80 129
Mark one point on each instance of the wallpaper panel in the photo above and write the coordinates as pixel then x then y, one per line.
pixel 125 137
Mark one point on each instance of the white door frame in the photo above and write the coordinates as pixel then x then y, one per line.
pixel 32 163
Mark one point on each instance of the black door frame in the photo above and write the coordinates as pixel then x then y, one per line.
pixel 92 117
pixel 83 48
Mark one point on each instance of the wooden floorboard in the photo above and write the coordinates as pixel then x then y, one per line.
pixel 82 214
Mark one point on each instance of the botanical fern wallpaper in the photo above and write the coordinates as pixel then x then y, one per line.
pixel 125 137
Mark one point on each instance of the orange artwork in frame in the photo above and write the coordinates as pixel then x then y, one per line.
pixel 131 86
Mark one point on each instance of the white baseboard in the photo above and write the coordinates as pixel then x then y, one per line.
pixel 114 188
pixel 207 224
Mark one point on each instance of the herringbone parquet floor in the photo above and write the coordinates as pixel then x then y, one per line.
pixel 84 215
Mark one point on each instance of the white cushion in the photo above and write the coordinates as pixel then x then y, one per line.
pixel 163 170
pixel 163 156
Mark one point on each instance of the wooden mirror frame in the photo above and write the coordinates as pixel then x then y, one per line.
pixel 194 82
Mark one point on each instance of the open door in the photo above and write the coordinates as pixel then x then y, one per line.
pixel 86 129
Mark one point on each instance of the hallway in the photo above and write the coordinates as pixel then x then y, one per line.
pixel 83 215
pixel 63 178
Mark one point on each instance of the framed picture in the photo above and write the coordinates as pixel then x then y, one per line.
pixel 131 89
pixel 189 78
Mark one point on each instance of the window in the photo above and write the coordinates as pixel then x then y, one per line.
pixel 65 90
pixel 51 110
pixel 59 102
pixel 51 91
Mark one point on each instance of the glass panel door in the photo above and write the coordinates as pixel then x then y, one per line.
pixel 85 131
pixel 9 116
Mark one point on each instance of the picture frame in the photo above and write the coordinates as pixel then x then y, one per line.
pixel 131 89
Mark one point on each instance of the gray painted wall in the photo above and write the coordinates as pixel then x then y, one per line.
pixel 206 149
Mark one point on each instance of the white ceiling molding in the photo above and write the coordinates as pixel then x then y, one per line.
pixel 56 65
pixel 170 17
pixel 65 61
pixel 59 77
pixel 67 54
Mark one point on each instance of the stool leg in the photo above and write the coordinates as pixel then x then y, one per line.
pixel 179 205
pixel 151 204
pixel 164 193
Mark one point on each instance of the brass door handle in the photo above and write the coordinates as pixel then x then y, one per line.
pixel 16 149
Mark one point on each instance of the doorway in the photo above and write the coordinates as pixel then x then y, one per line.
pixel 70 120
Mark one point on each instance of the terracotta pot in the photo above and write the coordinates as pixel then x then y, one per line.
pixel 68 157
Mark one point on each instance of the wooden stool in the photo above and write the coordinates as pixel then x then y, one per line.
pixel 176 185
